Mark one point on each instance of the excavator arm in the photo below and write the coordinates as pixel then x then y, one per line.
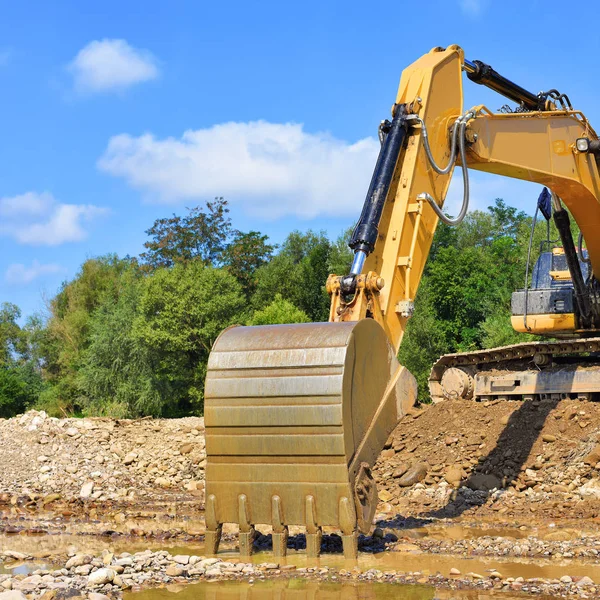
pixel 296 415
pixel 533 145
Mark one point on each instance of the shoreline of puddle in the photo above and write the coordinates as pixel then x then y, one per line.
pixel 45 546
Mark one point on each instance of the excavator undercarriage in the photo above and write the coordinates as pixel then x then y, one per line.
pixel 296 415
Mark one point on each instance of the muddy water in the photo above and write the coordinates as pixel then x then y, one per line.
pixel 300 589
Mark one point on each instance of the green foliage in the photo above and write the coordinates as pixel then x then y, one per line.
pixel 128 339
pixel 279 311
pixel 201 235
pixel 244 255
pixel 68 329
pixel 181 311
pixel 298 272
pixel 117 376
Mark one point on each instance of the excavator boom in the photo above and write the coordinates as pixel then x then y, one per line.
pixel 296 415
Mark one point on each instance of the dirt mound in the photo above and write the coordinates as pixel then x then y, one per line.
pixel 100 459
pixel 508 457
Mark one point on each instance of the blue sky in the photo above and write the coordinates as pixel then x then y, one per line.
pixel 114 116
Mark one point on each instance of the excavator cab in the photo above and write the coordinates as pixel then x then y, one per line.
pixel 548 305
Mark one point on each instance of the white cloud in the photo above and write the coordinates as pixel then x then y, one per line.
pixel 39 220
pixel 271 169
pixel 111 65
pixel 19 274
pixel 472 7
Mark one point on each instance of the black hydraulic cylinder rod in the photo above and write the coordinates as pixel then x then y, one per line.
pixel 563 224
pixel 483 74
pixel 366 231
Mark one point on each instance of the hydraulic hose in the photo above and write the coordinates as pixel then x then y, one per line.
pixel 460 125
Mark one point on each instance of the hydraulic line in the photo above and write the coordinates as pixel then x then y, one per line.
pixel 461 126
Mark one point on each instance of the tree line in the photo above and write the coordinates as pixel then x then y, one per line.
pixel 128 337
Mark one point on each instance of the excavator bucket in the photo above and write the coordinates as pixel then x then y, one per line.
pixel 295 418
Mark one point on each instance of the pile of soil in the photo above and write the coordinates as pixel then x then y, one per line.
pixel 507 457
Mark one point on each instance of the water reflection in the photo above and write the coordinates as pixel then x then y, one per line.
pixel 291 589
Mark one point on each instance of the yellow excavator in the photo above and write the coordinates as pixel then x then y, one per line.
pixel 296 415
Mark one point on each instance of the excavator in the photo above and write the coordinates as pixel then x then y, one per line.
pixel 296 415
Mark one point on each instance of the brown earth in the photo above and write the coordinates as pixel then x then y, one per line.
pixel 490 460
pixel 498 459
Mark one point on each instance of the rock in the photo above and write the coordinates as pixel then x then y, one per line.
pixel 585 580
pixel 593 457
pixel 182 559
pixel 496 575
pixel 13 595
pixel 548 438
pixel 15 555
pixel 72 431
pixel 454 475
pixel 162 482
pixel 174 571
pixel 566 579
pixel 186 448
pixel 384 495
pixel 454 571
pixel 129 458
pixel 6 584
pixel 86 489
pixel 389 453
pixel 78 560
pixel 101 576
pixel 415 474
pixel 96 596
pixel 399 471
pixel 591 488
pixel 482 482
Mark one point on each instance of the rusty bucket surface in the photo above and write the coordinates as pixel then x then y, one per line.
pixel 295 417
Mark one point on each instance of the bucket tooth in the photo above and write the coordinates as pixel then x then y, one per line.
pixel 295 417
pixel 313 543
pixel 247 531
pixel 280 530
pixel 347 520
pixel 212 536
pixel 314 533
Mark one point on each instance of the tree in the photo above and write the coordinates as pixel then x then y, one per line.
pixel 201 235
pixel 299 273
pixel 118 376
pixel 246 253
pixel 181 311
pixel 68 329
pixel 278 312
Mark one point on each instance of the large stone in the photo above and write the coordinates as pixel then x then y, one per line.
pixel 454 475
pixel 13 595
pixel 78 560
pixel 15 555
pixel 101 576
pixel 415 474
pixel 86 489
pixel 174 571
pixel 484 483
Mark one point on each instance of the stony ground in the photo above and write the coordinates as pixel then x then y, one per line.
pixel 108 575
pixel 101 459
pixel 497 464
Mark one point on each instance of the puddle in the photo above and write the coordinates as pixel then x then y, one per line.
pixel 301 589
